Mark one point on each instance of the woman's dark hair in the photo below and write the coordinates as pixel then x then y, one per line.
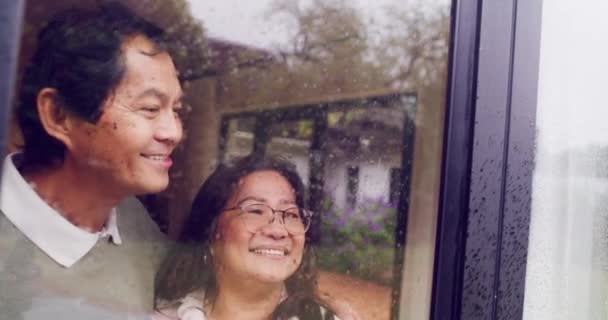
pixel 78 54
pixel 189 266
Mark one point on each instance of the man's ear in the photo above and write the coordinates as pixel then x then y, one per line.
pixel 55 119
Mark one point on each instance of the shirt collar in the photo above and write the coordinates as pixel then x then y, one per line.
pixel 44 226
pixel 192 305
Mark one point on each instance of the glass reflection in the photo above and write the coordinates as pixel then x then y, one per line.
pixel 239 138
pixel 352 92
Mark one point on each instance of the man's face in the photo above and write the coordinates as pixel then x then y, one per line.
pixel 128 150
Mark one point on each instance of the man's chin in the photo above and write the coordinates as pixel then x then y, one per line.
pixel 151 187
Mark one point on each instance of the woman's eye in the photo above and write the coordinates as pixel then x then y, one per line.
pixel 292 215
pixel 255 211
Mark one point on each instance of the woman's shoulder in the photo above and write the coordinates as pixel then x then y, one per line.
pixel 188 308
pixel 164 314
pixel 191 307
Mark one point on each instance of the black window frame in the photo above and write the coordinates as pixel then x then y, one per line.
pixel 488 158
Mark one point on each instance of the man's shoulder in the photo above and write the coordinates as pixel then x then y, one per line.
pixel 9 234
pixel 134 220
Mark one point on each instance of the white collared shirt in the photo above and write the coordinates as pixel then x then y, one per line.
pixel 62 241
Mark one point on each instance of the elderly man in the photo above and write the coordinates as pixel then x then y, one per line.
pixel 97 110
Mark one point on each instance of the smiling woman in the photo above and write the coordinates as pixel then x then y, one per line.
pixel 243 252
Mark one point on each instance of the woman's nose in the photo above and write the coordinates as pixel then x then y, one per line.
pixel 275 227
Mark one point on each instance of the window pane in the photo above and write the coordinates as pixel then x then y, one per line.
pixel 567 266
pixel 291 140
pixel 239 138
pixel 350 92
pixel 365 142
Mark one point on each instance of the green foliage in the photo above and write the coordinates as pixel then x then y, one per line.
pixel 359 241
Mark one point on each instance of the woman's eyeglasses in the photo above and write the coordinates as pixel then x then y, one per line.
pixel 255 216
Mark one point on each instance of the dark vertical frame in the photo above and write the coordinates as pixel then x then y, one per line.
pixel 352 185
pixel 483 224
pixel 404 183
pixel 456 162
pixel 488 163
pixel 394 185
pixel 503 156
pixel 317 167
pixel 11 19
pixel 520 151
pixel 222 143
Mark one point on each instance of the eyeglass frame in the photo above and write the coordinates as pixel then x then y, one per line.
pixel 304 212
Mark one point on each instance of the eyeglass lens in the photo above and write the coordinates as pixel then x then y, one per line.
pixel 258 215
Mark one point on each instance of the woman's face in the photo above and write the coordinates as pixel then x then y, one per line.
pixel 270 254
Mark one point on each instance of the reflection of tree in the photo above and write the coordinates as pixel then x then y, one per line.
pixel 410 50
pixel 329 49
pixel 324 30
pixel 334 50
pixel 421 48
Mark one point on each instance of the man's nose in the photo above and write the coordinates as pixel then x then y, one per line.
pixel 169 128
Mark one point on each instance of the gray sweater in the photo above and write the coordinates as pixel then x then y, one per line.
pixel 109 282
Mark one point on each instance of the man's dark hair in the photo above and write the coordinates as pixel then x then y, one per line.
pixel 78 54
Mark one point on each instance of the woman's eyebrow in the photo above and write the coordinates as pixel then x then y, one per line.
pixel 287 202
pixel 251 198
pixel 264 201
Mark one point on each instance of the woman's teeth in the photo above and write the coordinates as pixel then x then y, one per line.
pixel 272 252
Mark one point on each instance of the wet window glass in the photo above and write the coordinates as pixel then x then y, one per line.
pixel 567 265
pixel 238 137
pixel 341 103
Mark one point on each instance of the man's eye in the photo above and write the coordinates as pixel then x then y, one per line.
pixel 178 112
pixel 152 109
pixel 255 211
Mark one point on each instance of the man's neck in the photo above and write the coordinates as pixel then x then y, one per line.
pixel 246 301
pixel 78 198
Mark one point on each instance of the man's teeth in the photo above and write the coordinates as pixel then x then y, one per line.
pixel 273 252
pixel 154 157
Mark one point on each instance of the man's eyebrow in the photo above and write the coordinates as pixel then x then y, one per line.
pixel 150 53
pixel 152 92
pixel 160 95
